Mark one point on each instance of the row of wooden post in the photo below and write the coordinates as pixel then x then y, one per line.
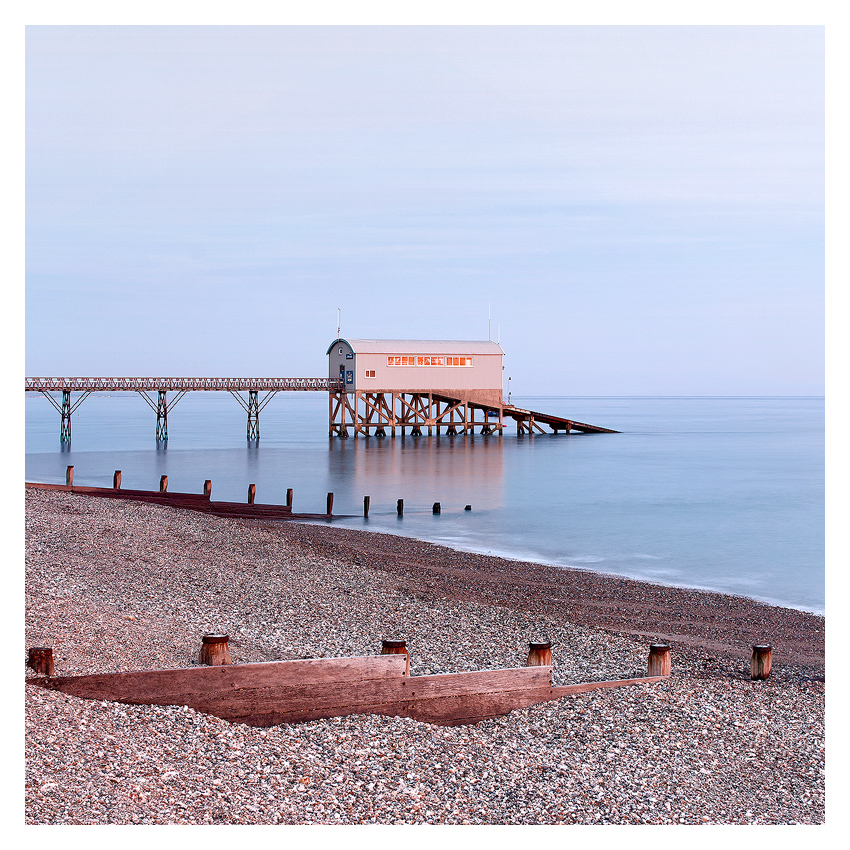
pixel 215 652
pixel 252 491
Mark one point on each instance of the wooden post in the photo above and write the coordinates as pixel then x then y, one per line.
pixel 208 488
pixel 163 484
pixel 289 499
pixel 214 650
pixel 396 647
pixel 436 508
pixel 762 661
pixel 69 476
pixel 400 507
pixel 330 503
pixel 539 654
pixel 252 489
pixel 468 508
pixel 116 480
pixel 659 660
pixel 366 501
pixel 40 659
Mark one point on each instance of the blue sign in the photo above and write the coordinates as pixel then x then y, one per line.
pixel 349 376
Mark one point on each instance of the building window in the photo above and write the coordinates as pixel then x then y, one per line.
pixel 425 360
pixel 370 373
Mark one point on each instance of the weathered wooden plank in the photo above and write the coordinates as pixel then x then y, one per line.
pixel 444 710
pixel 179 686
pixel 330 696
pixel 566 690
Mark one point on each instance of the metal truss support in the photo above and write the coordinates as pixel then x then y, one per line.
pixel 65 411
pixel 252 407
pixel 161 408
pixel 253 432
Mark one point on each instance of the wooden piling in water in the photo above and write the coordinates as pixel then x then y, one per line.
pixel 214 650
pixel 252 490
pixel 539 654
pixel 659 660
pixel 436 508
pixel 116 480
pixel 163 484
pixel 289 498
pixel 40 659
pixel 762 661
pixel 400 507
pixel 208 488
pixel 330 503
pixel 366 501
pixel 69 476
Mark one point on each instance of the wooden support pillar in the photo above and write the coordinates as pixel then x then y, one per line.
pixel 659 660
pixel 163 484
pixel 396 647
pixel 40 659
pixel 366 501
pixel 330 503
pixel 69 476
pixel 252 490
pixel 436 508
pixel 208 488
pixel 762 661
pixel 214 650
pixel 289 498
pixel 400 507
pixel 116 480
pixel 539 654
pixel 468 508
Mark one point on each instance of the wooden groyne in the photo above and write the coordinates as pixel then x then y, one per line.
pixel 275 692
pixel 201 502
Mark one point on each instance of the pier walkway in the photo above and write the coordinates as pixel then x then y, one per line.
pixel 366 413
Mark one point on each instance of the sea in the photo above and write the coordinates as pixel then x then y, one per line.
pixel 721 494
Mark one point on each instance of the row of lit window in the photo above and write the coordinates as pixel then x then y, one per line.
pixel 428 361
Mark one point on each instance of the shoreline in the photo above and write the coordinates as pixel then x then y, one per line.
pixel 506 556
pixel 115 586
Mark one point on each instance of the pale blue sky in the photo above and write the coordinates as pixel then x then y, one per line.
pixel 642 207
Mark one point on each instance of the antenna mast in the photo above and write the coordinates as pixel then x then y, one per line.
pixel 488 322
pixel 337 323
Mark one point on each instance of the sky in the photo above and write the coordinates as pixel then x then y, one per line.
pixel 639 209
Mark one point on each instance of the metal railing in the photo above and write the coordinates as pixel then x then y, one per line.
pixel 181 384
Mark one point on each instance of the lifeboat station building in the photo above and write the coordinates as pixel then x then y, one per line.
pixel 451 386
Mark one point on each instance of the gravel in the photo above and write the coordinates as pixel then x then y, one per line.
pixel 116 585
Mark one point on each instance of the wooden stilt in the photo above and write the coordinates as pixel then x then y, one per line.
pixel 436 508
pixel 252 491
pixel 396 647
pixel 330 503
pixel 400 507
pixel 659 660
pixel 116 480
pixel 208 488
pixel 214 650
pixel 163 484
pixel 539 654
pixel 69 476
pixel 289 498
pixel 762 661
pixel 366 501
pixel 40 659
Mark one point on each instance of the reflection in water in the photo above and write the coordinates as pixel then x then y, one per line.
pixel 454 471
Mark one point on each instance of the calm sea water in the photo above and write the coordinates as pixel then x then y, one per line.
pixel 725 494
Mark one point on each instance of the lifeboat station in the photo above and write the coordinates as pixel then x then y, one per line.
pixel 425 387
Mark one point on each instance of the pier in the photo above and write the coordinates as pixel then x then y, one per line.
pixel 351 414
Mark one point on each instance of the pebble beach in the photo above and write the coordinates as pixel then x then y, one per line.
pixel 114 585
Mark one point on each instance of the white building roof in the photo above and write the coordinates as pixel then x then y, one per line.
pixel 420 346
